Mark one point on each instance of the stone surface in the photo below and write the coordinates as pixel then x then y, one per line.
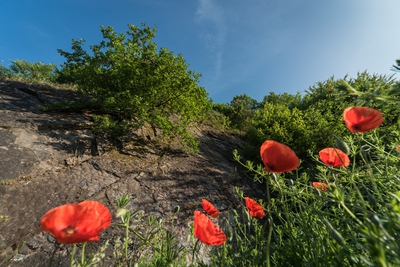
pixel 51 159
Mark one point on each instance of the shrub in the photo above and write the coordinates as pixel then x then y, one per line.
pixel 133 82
pixel 29 71
pixel 308 123
pixel 239 111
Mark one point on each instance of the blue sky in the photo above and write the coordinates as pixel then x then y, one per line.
pixel 253 46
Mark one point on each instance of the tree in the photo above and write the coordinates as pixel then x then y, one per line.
pixel 133 82
pixel 293 101
pixel 243 107
pixel 29 71
pixel 239 111
pixel 396 68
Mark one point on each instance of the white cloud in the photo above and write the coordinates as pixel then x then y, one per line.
pixel 210 13
pixel 255 35
pixel 37 30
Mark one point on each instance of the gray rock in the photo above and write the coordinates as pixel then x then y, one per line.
pixel 51 159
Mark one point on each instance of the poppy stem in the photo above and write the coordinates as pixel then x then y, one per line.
pixel 269 221
pixel 72 256
pixel 83 254
pixel 126 241
pixel 350 212
pixel 194 249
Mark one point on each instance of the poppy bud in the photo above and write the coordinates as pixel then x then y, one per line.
pixel 121 212
pixel 342 145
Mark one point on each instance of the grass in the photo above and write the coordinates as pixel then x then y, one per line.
pixel 354 223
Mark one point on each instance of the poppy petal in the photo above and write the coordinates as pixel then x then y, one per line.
pixel 99 211
pixel 206 231
pixel 77 223
pixel 320 186
pixel 334 157
pixel 209 208
pixel 254 208
pixel 362 119
pixel 278 157
pixel 59 218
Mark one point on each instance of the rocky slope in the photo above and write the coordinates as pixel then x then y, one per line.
pixel 50 159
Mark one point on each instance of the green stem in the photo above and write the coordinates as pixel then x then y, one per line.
pixel 127 222
pixel 269 222
pixel 72 255
pixel 83 254
pixel 350 213
pixel 194 249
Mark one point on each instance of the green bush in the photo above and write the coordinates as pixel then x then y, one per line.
pixel 29 71
pixel 133 82
pixel 301 130
pixel 239 111
pixel 308 123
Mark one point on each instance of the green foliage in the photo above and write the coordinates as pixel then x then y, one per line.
pixel 246 241
pixel 28 71
pixel 302 130
pixel 238 112
pixel 278 122
pixel 134 82
pixel 243 108
pixel 218 121
pixel 310 122
pixel 377 91
pixel 292 101
pixel 5 73
pixel 157 243
pixel 354 223
pixel 396 68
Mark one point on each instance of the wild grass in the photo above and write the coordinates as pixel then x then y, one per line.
pixel 356 222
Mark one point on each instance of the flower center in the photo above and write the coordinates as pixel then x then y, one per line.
pixel 70 230
pixel 269 168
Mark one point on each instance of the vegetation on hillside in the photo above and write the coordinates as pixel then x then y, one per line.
pixel 130 81
pixel 23 70
pixel 133 82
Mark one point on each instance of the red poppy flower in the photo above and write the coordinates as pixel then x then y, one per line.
pixel 320 186
pixel 77 223
pixel 398 148
pixel 362 119
pixel 206 231
pixel 209 208
pixel 334 157
pixel 254 208
pixel 278 157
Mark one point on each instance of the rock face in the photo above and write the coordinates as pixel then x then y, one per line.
pixel 51 159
